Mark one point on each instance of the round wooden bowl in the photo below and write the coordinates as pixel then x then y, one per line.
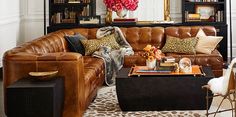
pixel 43 75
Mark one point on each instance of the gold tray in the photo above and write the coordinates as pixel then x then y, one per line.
pixel 136 71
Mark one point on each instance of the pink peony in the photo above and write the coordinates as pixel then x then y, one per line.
pixel 118 5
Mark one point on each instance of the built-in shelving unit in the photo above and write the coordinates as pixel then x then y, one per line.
pixel 207 12
pixel 64 13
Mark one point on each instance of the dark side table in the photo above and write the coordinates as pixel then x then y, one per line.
pixel 160 93
pixel 32 98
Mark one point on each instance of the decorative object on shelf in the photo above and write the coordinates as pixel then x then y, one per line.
pixel 121 6
pixel 185 65
pixel 108 18
pixel 66 13
pixel 152 55
pixel 205 11
pixel 89 20
pixel 122 14
pixel 167 10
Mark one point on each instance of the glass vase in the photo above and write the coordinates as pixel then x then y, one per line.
pixel 151 64
pixel 122 14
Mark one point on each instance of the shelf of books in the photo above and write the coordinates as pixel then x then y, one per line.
pixel 72 12
pixel 204 11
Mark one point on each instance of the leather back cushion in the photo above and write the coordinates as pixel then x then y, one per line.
pixel 189 31
pixel 138 37
pixel 53 42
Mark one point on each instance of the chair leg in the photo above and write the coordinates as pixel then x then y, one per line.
pixel 219 106
pixel 231 103
pixel 207 103
pixel 234 100
pixel 229 97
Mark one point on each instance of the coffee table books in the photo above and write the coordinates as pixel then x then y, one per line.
pixel 143 70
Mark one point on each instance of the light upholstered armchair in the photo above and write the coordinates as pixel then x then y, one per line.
pixel 223 86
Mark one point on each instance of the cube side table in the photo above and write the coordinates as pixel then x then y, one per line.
pixel 32 98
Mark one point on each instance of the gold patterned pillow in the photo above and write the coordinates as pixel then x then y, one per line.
pixel 93 45
pixel 177 45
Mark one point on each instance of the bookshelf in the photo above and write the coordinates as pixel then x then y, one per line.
pixel 64 13
pixel 207 12
pixel 204 11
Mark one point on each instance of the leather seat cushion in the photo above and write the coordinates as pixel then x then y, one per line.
pixel 93 68
pixel 135 59
pixel 94 63
pixel 213 60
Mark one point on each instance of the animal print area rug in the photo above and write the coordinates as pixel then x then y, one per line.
pixel 106 105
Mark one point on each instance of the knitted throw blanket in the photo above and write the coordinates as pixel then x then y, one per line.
pixel 113 59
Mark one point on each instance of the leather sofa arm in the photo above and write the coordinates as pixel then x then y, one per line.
pixel 59 56
pixel 69 65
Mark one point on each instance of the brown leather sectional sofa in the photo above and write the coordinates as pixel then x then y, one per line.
pixel 85 74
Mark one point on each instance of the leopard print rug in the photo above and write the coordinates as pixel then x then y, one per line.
pixel 106 105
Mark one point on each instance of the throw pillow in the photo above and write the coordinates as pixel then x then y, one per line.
pixel 177 45
pixel 207 44
pixel 200 33
pixel 93 45
pixel 74 43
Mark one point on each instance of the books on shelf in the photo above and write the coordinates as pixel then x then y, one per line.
pixel 92 21
pixel 85 11
pixel 167 64
pixel 125 21
pixel 59 1
pixel 195 17
pixel 68 21
pixel 219 16
pixel 85 1
pixel 73 1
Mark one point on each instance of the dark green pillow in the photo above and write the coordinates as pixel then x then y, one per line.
pixel 177 45
pixel 75 44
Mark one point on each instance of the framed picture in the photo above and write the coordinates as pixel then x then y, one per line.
pixel 205 11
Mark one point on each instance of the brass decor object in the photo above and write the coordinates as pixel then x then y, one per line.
pixel 167 10
pixel 43 75
pixel 108 18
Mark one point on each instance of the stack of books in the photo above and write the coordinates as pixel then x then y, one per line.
pixel 124 21
pixel 168 61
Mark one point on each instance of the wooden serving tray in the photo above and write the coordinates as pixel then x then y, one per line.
pixel 143 70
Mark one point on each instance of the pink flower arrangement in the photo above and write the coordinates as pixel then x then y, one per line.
pixel 119 5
